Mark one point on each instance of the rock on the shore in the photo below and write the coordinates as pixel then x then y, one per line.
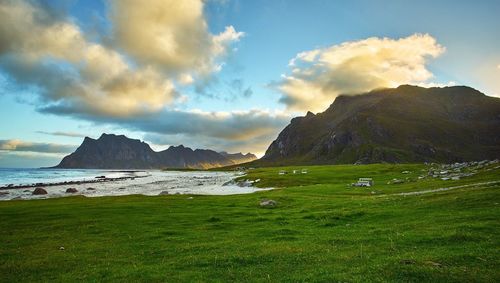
pixel 268 203
pixel 4 193
pixel 163 193
pixel 39 191
pixel 90 189
pixel 71 191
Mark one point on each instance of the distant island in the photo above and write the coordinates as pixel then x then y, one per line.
pixel 407 124
pixel 111 151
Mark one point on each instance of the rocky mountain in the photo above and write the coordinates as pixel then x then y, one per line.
pixel 239 157
pixel 404 124
pixel 119 152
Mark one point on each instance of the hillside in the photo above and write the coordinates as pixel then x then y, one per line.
pixel 404 124
pixel 119 152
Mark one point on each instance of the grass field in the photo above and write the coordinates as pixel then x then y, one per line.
pixel 322 230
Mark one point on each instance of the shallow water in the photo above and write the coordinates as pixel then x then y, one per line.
pixel 150 183
pixel 26 176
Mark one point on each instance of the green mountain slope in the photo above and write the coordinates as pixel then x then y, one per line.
pixel 404 124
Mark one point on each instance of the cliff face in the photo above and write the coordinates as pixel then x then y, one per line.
pixel 404 124
pixel 120 152
pixel 111 151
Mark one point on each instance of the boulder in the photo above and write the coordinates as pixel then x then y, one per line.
pixel 163 193
pixel 39 191
pixel 71 191
pixel 268 203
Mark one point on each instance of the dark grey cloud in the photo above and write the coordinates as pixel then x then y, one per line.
pixel 238 130
pixel 62 134
pixel 227 125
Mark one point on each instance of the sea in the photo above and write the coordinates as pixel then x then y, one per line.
pixel 26 176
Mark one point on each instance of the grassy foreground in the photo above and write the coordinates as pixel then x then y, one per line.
pixel 321 231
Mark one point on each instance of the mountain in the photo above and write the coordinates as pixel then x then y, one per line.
pixel 119 152
pixel 239 157
pixel 404 124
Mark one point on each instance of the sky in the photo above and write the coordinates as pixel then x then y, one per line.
pixel 226 75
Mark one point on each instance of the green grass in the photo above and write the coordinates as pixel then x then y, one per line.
pixel 321 231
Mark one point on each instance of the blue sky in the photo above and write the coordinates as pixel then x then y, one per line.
pixel 217 74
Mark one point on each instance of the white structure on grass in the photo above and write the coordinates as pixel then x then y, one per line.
pixel 364 182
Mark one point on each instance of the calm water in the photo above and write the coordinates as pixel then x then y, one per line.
pixel 18 176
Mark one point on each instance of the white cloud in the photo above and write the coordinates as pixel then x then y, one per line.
pixel 319 75
pixel 165 43
pixel 171 35
pixel 130 81
pixel 433 84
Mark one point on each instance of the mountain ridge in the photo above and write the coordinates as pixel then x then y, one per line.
pixel 403 124
pixel 111 151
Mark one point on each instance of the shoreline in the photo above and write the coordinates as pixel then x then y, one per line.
pixel 151 184
pixel 78 182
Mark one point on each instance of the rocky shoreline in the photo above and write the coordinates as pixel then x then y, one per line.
pixel 98 179
pixel 154 184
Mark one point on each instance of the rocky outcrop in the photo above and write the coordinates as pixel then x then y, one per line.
pixel 268 203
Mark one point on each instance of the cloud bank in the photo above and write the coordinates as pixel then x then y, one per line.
pixel 153 47
pixel 62 134
pixel 23 146
pixel 318 76
pixel 250 130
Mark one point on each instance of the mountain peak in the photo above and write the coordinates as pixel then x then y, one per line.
pixel 456 90
pixel 110 136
